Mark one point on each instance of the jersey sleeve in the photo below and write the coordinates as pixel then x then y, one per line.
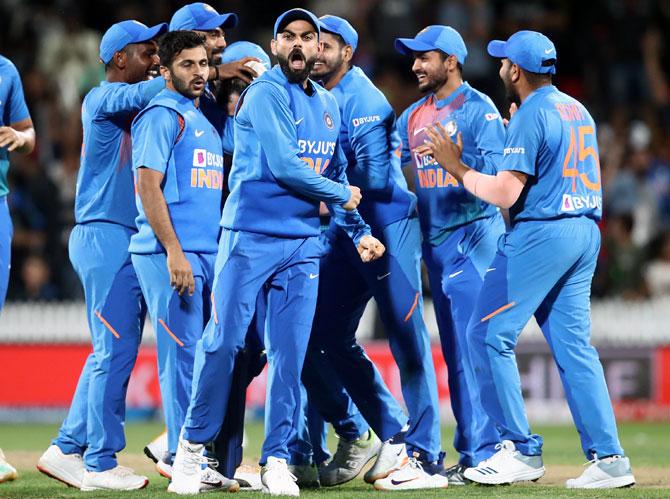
pixel 228 136
pixel 273 122
pixel 130 98
pixel 154 134
pixel 368 120
pixel 16 108
pixel 402 124
pixel 489 134
pixel 522 144
pixel 350 221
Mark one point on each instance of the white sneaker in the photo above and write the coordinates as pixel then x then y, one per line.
pixel 277 480
pixel 7 471
pixel 307 475
pixel 507 465
pixel 66 468
pixel 210 479
pixel 157 448
pixel 248 477
pixel 187 468
pixel 608 473
pixel 349 459
pixel 414 475
pixel 391 457
pixel 118 478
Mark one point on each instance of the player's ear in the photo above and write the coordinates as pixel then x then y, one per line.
pixel 273 47
pixel 515 73
pixel 348 53
pixel 165 73
pixel 120 59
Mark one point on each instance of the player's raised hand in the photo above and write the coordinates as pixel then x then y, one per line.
pixel 370 248
pixel 354 199
pixel 11 139
pixel 513 108
pixel 440 146
pixel 239 69
pixel 181 273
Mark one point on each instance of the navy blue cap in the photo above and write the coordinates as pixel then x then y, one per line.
pixel 240 50
pixel 202 17
pixel 340 26
pixel 530 50
pixel 294 15
pixel 124 33
pixel 436 37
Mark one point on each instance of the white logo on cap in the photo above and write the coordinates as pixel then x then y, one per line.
pixel 209 8
pixel 548 51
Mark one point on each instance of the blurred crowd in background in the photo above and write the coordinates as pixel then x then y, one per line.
pixel 613 55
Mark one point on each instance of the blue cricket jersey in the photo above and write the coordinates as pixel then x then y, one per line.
pixel 13 109
pixel 371 143
pixel 172 136
pixel 552 139
pixel 444 204
pixel 105 188
pixel 286 160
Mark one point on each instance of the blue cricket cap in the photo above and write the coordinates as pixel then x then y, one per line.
pixel 340 26
pixel 240 50
pixel 435 37
pixel 295 15
pixel 202 17
pixel 530 50
pixel 124 33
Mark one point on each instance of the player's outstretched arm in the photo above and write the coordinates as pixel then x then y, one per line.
pixel 502 189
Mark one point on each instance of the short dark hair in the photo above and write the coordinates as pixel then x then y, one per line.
pixel 173 42
pixel 536 79
pixel 444 57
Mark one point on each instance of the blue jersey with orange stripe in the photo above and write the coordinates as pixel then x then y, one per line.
pixel 287 159
pixel 12 110
pixel 172 136
pixel 105 180
pixel 444 204
pixel 552 139
pixel 371 143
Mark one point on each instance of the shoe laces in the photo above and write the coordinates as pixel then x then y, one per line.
pixel 502 449
pixel 414 464
pixel 596 459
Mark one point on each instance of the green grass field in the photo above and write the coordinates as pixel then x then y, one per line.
pixel 648 446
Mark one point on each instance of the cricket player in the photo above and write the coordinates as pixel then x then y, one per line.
pixel 178 163
pixel 16 135
pixel 286 155
pixel 549 178
pixel 207 22
pixel 459 231
pixel 105 222
pixel 371 143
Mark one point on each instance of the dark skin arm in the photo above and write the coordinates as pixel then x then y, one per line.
pixel 149 188
pixel 18 137
pixel 235 69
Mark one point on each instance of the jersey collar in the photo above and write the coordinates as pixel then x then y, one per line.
pixel 439 104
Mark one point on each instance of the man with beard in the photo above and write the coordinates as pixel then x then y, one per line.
pixel 207 22
pixel 287 160
pixel 105 214
pixel 460 232
pixel 549 179
pixel 371 143
pixel 178 162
